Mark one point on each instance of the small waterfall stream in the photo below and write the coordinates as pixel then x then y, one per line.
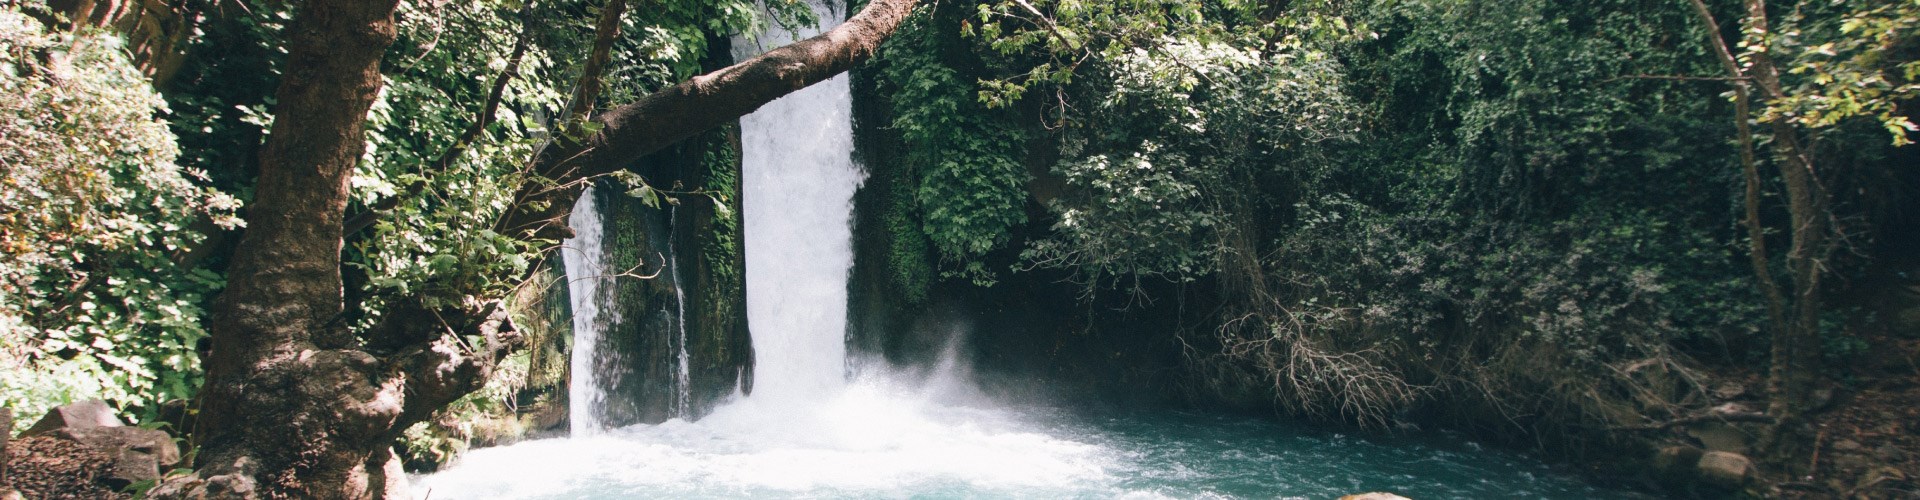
pixel 682 376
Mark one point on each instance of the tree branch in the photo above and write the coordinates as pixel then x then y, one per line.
pixel 588 90
pixel 675 113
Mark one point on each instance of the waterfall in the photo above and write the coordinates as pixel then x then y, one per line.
pixel 583 257
pixel 798 203
pixel 683 377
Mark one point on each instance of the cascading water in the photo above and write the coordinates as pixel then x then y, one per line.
pixel 797 162
pixel 682 377
pixel 584 259
pixel 807 431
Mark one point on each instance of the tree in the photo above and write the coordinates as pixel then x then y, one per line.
pixel 1793 313
pixel 297 403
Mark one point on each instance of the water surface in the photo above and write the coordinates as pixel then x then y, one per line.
pixel 883 440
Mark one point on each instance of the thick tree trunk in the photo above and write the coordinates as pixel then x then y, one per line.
pixel 295 403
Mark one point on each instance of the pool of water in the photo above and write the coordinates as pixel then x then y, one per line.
pixel 878 440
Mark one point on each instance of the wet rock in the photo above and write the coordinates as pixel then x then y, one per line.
pixel 1725 469
pixel 84 414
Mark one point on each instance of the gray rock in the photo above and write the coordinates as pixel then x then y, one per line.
pixel 1722 437
pixel 1725 469
pixel 84 414
pixel 155 443
pixel 130 467
pixel 219 481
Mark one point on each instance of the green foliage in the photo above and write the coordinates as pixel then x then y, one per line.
pixel 1173 143
pixel 96 224
pixel 969 185
pixel 1859 62
pixel 1504 201
pixel 437 242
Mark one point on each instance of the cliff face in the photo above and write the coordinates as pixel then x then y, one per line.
pixel 639 356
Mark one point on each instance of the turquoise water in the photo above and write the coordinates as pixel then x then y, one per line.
pixel 881 441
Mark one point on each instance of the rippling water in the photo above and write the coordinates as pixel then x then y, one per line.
pixel 885 440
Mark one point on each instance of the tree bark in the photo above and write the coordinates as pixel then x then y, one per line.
pixel 295 403
pixel 1795 324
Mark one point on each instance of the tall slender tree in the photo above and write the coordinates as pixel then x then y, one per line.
pixel 1793 313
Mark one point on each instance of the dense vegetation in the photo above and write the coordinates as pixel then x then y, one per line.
pixel 1530 215
pixel 1517 216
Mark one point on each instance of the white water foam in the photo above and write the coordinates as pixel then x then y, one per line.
pixel 797 164
pixel 584 260
pixel 876 437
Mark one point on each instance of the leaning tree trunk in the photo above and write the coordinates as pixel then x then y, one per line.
pixel 296 403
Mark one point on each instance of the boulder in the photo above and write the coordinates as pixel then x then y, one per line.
pixel 84 414
pixel 46 467
pixel 137 454
pixel 133 454
pixel 1725 469
pixel 130 467
pixel 154 443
